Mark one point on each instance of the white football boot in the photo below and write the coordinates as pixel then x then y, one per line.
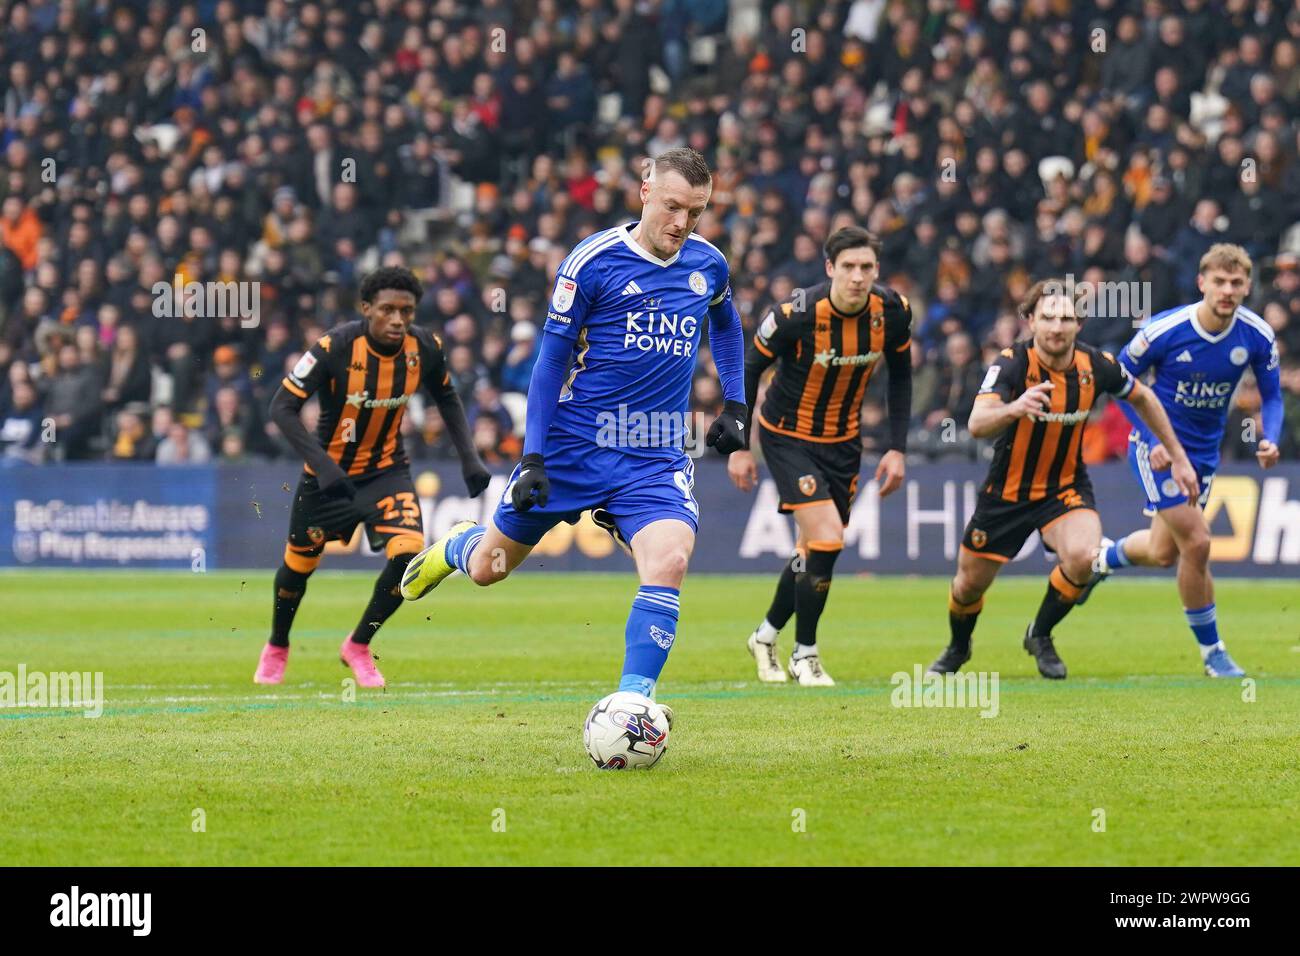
pixel 808 672
pixel 770 670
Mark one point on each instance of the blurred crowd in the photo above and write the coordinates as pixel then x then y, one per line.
pixel 296 145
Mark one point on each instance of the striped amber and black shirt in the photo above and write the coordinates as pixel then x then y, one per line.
pixel 363 393
pixel 1040 455
pixel 824 360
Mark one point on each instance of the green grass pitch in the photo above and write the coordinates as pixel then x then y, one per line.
pixel 474 754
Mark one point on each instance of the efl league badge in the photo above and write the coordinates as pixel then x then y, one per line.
pixel 979 538
pixel 697 283
pixel 807 485
pixel 564 291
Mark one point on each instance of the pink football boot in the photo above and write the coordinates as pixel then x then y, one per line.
pixel 357 656
pixel 270 668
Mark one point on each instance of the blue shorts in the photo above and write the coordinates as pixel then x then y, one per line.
pixel 1159 486
pixel 635 491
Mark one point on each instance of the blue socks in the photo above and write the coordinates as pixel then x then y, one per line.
pixel 1115 556
pixel 651 630
pixel 461 547
pixel 1205 626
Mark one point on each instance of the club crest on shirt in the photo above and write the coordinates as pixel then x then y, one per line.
pixel 1085 379
pixel 565 289
pixel 807 485
pixel 412 359
pixel 699 285
pixel 1238 356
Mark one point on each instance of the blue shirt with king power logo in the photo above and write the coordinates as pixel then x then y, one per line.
pixel 1196 373
pixel 635 322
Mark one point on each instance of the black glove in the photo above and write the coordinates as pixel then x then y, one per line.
pixel 338 486
pixel 532 486
pixel 476 476
pixel 727 433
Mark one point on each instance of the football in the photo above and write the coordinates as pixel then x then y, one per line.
pixel 625 731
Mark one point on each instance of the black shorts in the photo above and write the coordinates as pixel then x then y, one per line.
pixel 807 472
pixel 386 503
pixel 998 529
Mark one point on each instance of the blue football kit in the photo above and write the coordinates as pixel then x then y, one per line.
pixel 609 408
pixel 1195 375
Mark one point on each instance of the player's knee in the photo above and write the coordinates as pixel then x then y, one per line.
pixel 965 589
pixel 488 567
pixel 485 576
pixel 1165 557
pixel 1196 549
pixel 1076 563
pixel 669 566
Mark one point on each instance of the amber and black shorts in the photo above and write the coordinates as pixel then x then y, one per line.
pixel 808 472
pixel 999 528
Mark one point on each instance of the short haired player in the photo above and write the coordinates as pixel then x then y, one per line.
pixel 1037 398
pixel 623 332
pixel 355 469
pixel 826 342
pixel 1197 354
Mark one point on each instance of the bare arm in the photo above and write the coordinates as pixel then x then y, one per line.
pixel 991 416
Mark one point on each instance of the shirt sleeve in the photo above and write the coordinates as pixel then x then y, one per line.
pixel 312 370
pixel 727 342
pixel 436 379
pixel 1112 377
pixel 1001 378
pixel 570 301
pixel 1266 366
pixel 1140 354
pixel 898 359
pixel 435 376
pixel 898 325
pixel 777 332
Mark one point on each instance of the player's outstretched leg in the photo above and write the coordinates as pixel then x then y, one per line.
pixel 435 563
pixel 485 555
pixel 812 587
pixel 384 600
pixel 290 585
pixel 965 601
pixel 762 642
